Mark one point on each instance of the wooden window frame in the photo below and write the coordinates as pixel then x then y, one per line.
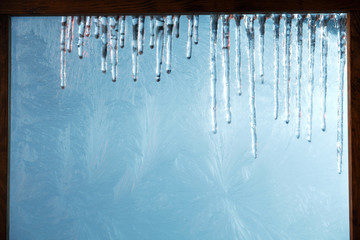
pixel 10 8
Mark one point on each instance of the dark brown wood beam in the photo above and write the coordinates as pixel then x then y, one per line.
pixel 108 7
pixel 4 109
pixel 354 121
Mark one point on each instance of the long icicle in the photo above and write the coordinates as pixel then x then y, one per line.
pixel 341 24
pixel 276 18
pixel 226 64
pixel 159 26
pixel 237 18
pixel 261 19
pixel 113 46
pixel 152 33
pixel 299 36
pixel 287 61
pixel 81 37
pixel 189 36
pixel 141 35
pixel 69 33
pixel 312 36
pixel 96 27
pixel 88 26
pixel 134 43
pixel 122 31
pixel 62 53
pixel 104 31
pixel 169 30
pixel 177 25
pixel 213 40
pixel 325 18
pixel 196 29
pixel 249 22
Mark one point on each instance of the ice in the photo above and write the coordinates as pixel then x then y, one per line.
pixel 159 29
pixel 287 60
pixel 104 32
pixel 141 35
pixel 324 20
pixel 237 18
pixel 134 44
pixel 341 25
pixel 226 63
pixel 213 40
pixel 152 32
pixel 189 35
pixel 114 21
pixel 63 52
pixel 276 19
pixel 196 29
pixel 122 31
pixel 169 31
pixel 299 52
pixel 249 23
pixel 96 27
pixel 261 18
pixel 88 26
pixel 69 33
pixel 177 25
pixel 80 44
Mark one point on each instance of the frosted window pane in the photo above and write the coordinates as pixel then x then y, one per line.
pixel 125 160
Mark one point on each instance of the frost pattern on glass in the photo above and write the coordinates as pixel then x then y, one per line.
pixel 276 18
pixel 287 59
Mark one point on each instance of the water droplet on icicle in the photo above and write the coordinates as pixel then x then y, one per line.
pixel 69 33
pixel 141 35
pixel 134 43
pixel 237 18
pixel 113 46
pixel 226 64
pixel 104 31
pixel 62 54
pixel 341 25
pixel 249 23
pixel 287 59
pixel 159 29
pixel 325 18
pixel 213 38
pixel 299 36
pixel 169 30
pixel 276 18
pixel 189 36
pixel 312 36
pixel 122 31
pixel 80 44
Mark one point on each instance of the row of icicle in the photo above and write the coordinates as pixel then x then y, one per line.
pixel 157 25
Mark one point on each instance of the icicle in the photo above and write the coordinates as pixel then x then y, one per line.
pixel 276 18
pixel 88 26
pixel 213 38
pixel 113 46
pixel 262 19
pixel 159 26
pixel 141 35
pixel 81 37
pixel 237 18
pixel 122 31
pixel 78 20
pixel 189 36
pixel 152 33
pixel 196 29
pixel 299 26
pixel 69 33
pixel 312 32
pixel 169 30
pixel 325 18
pixel 249 22
pixel 104 31
pixel 226 64
pixel 177 25
pixel 62 54
pixel 96 28
pixel 341 25
pixel 134 42
pixel 287 61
